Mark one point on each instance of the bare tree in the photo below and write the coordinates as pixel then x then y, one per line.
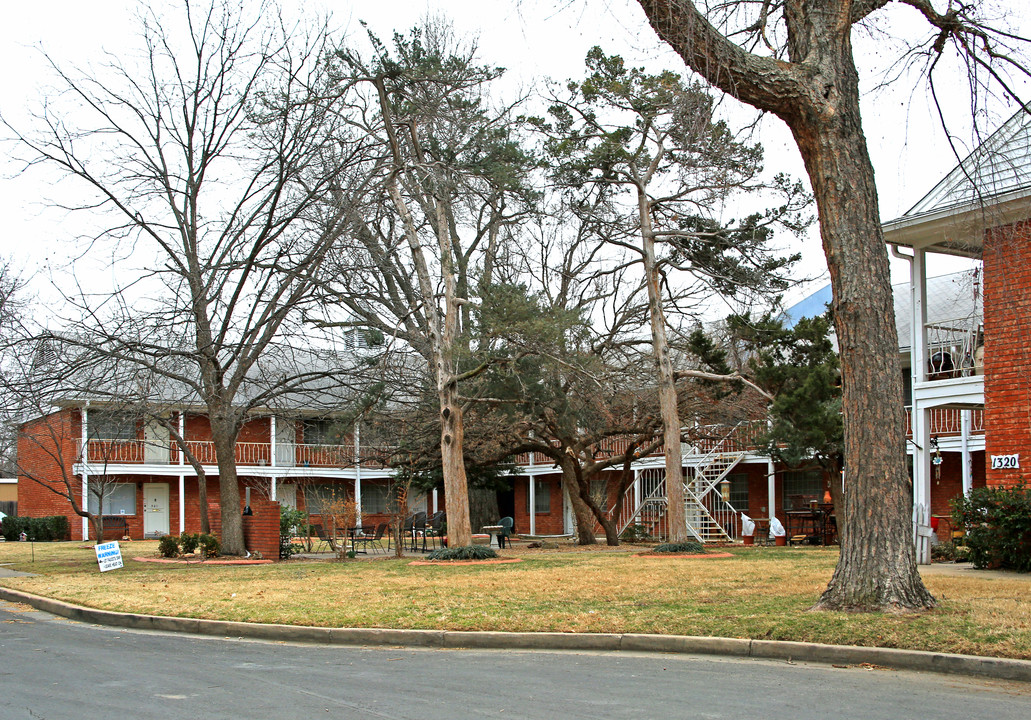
pixel 210 154
pixel 449 170
pixel 795 60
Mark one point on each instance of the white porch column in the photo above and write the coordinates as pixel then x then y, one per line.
pixel 436 502
pixel 922 484
pixel 918 318
pixel 358 472
pixel 182 504
pixel 272 443
pixel 182 476
pixel 533 504
pixel 85 471
pixel 637 489
pixel 967 421
pixel 921 421
pixel 771 488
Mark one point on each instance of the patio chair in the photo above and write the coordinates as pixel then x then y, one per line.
pixel 435 527
pixel 418 530
pixel 506 524
pixel 323 538
pixel 364 539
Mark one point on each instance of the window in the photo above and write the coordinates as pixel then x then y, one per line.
pixel 542 497
pixel 101 425
pixel 318 496
pixel 738 491
pixel 119 499
pixel 374 498
pixel 320 432
pixel 801 487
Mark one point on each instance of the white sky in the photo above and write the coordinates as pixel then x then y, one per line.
pixel 533 38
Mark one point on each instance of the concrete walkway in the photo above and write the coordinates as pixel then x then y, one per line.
pixel 969 571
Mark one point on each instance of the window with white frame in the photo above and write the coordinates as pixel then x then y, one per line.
pixel 319 496
pixel 106 425
pixel 801 487
pixel 738 491
pixel 542 497
pixel 321 432
pixel 119 499
pixel 375 498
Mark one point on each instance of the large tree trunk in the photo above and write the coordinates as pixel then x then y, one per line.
pixel 817 95
pixel 228 490
pixel 483 507
pixel 584 517
pixel 877 568
pixel 676 517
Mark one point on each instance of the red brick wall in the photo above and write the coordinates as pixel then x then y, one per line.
pixel 45 445
pixel 948 484
pixel 1007 320
pixel 261 530
pixel 546 524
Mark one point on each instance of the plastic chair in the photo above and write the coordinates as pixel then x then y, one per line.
pixel 506 524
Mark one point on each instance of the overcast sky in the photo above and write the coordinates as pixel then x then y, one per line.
pixel 533 38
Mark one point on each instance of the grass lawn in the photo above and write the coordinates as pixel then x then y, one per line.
pixel 762 593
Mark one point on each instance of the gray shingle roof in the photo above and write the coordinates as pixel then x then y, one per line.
pixel 999 166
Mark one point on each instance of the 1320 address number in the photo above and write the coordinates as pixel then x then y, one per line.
pixel 1005 462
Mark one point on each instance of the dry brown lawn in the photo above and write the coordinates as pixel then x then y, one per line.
pixel 756 593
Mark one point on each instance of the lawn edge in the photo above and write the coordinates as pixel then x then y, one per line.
pixel 789 651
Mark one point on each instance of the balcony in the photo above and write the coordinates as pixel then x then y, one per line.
pixel 948 422
pixel 100 453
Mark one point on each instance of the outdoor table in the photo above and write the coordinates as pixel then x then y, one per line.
pixel 493 531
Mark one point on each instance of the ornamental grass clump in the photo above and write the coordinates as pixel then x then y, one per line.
pixel 469 552
pixel 689 548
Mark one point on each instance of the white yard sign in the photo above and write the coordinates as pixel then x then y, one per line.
pixel 109 556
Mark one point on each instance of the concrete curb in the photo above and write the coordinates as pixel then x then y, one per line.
pixel 998 668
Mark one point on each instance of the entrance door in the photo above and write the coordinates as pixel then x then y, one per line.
pixel 155 443
pixel 286 443
pixel 286 494
pixel 155 509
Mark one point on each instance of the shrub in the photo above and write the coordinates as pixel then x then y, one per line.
pixel 469 552
pixel 189 542
pixel 635 533
pixel 289 520
pixel 168 546
pixel 944 552
pixel 209 545
pixel 998 526
pixel 690 548
pixel 41 529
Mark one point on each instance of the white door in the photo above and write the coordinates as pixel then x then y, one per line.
pixel 286 441
pixel 286 494
pixel 155 443
pixel 155 509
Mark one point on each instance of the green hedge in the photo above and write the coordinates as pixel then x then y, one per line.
pixel 997 522
pixel 41 529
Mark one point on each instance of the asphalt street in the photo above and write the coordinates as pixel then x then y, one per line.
pixel 53 668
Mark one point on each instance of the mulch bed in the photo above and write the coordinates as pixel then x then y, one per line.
pixel 203 561
pixel 705 556
pixel 493 561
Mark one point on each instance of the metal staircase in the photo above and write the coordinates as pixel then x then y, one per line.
pixel 710 519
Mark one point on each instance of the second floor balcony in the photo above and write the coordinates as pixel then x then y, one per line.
pixel 99 453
